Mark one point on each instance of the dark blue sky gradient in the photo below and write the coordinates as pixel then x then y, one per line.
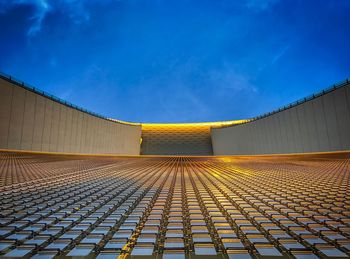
pixel 176 61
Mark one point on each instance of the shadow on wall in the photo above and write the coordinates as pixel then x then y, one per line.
pixel 31 121
pixel 319 124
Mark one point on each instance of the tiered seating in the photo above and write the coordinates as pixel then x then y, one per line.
pixel 175 207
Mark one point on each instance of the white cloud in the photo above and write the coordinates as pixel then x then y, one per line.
pixel 275 58
pixel 42 8
pixel 280 54
pixel 76 10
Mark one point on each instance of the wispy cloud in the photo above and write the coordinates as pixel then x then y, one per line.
pixel 275 58
pixel 40 7
pixel 280 54
pixel 76 10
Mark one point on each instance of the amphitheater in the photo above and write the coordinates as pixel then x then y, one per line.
pixel 75 184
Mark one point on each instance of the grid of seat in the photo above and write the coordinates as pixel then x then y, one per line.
pixel 176 139
pixel 175 207
pixel 16 168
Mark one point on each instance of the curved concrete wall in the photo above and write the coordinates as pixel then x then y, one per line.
pixel 318 125
pixel 30 121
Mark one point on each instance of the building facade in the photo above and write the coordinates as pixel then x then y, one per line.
pixel 35 121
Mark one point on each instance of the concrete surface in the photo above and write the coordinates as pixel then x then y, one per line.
pixel 318 125
pixel 29 121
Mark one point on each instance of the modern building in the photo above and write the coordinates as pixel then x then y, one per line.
pixel 35 121
pixel 75 184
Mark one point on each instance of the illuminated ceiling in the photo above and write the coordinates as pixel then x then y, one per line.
pixel 179 138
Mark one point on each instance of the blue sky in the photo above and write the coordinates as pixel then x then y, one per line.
pixel 176 61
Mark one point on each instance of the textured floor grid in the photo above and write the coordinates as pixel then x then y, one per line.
pixel 175 207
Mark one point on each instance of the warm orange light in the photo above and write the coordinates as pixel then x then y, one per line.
pixel 195 124
pixel 226 159
pixel 125 122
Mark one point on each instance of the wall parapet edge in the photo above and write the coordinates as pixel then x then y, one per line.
pixel 36 90
pixel 295 103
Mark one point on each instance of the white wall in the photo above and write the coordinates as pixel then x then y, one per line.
pixel 318 125
pixel 29 121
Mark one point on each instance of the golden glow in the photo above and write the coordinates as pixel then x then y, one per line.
pixel 247 191
pixel 186 127
pixel 196 124
pixel 215 124
pixel 226 159
pixel 125 122
pixel 180 138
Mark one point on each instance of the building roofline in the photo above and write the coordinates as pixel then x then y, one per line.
pixel 216 124
pixel 35 90
pixel 296 103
